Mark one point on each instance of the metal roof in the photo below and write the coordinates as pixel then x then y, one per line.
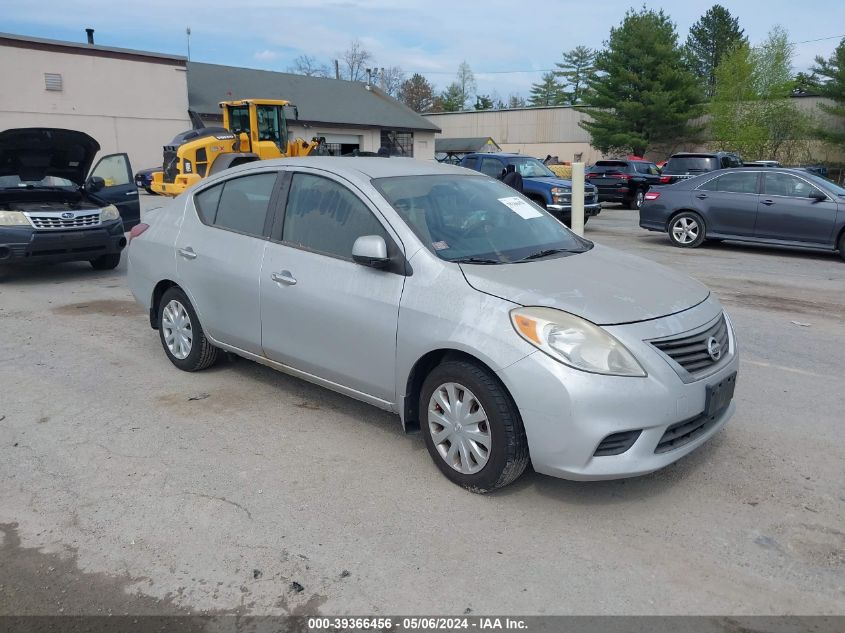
pixel 25 41
pixel 320 100
pixel 465 145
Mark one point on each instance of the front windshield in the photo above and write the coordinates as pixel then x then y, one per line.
pixel 474 219
pixel 48 181
pixel 531 168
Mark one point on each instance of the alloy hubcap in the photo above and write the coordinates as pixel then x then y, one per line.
pixel 176 326
pixel 459 428
pixel 685 230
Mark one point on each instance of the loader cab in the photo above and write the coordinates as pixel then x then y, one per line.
pixel 263 123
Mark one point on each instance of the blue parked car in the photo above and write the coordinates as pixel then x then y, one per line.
pixel 540 183
pixel 144 179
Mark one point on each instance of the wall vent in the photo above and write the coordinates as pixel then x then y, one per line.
pixel 53 81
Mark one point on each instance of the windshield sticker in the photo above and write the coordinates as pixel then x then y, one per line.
pixel 440 246
pixel 521 207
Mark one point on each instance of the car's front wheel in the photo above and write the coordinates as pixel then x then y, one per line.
pixel 686 230
pixel 842 246
pixel 472 428
pixel 182 335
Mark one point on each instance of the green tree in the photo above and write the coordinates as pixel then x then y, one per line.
pixel 831 74
pixel 643 94
pixel 452 99
pixel 715 34
pixel 548 92
pixel 483 102
pixel 752 111
pixel 417 93
pixel 576 71
pixel 516 101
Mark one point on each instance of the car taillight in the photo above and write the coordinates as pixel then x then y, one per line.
pixel 652 195
pixel 137 230
pixel 592 175
pixel 665 179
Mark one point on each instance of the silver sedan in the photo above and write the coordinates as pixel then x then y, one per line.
pixel 446 297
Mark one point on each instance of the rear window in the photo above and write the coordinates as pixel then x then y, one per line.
pixel 691 164
pixel 609 167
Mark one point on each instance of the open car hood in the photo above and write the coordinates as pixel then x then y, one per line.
pixel 602 285
pixel 37 152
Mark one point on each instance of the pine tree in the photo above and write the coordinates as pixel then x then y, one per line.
pixel 831 73
pixel 452 99
pixel 576 71
pixel 643 93
pixel 546 93
pixel 715 34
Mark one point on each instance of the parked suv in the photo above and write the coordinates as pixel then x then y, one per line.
pixel 50 212
pixel 540 183
pixel 624 181
pixel 688 165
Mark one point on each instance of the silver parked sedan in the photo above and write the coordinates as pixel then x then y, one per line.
pixel 444 296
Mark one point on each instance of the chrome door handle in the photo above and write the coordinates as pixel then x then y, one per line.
pixel 701 196
pixel 187 253
pixel 284 277
pixel 768 203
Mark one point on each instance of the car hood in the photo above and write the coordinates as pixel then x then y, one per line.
pixel 554 182
pixel 601 285
pixel 37 152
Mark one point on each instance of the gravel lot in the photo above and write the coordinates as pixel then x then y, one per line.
pixel 129 486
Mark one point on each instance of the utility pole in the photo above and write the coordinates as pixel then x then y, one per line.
pixel 336 69
pixel 188 34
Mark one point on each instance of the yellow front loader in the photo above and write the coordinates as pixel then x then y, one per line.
pixel 253 129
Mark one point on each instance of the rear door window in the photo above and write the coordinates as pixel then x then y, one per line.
pixel 492 167
pixel 239 204
pixel 736 182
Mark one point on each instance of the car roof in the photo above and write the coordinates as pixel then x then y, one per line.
pixel 501 155
pixel 692 154
pixel 358 166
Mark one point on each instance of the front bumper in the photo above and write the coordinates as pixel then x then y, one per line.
pixel 565 210
pixel 568 413
pixel 27 245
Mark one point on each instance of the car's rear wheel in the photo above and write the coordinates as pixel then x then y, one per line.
pixel 181 334
pixel 106 262
pixel 686 230
pixel 472 428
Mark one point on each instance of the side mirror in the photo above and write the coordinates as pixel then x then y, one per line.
pixel 817 196
pixel 95 183
pixel 370 250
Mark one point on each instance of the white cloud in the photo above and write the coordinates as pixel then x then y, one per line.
pixel 266 55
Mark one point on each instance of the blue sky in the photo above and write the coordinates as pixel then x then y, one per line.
pixel 431 36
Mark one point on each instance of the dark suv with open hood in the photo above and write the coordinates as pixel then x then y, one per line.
pixel 51 210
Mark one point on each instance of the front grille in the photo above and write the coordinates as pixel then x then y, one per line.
pixel 56 221
pixel 685 432
pixel 617 443
pixel 691 351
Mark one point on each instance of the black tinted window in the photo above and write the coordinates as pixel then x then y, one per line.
pixel 244 202
pixel 206 203
pixel 646 168
pixel 691 164
pixel 492 167
pixel 787 185
pixel 609 167
pixel 734 182
pixel 322 215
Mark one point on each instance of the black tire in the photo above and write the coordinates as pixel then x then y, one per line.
pixel 694 225
pixel 106 262
pixel 842 245
pixel 508 454
pixel 636 200
pixel 202 353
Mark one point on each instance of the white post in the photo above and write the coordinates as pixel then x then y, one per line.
pixel 578 198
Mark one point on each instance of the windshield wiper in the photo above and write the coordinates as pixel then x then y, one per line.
pixel 475 260
pixel 547 252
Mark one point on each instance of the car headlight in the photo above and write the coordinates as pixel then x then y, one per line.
pixel 574 341
pixel 13 218
pixel 109 213
pixel 559 191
